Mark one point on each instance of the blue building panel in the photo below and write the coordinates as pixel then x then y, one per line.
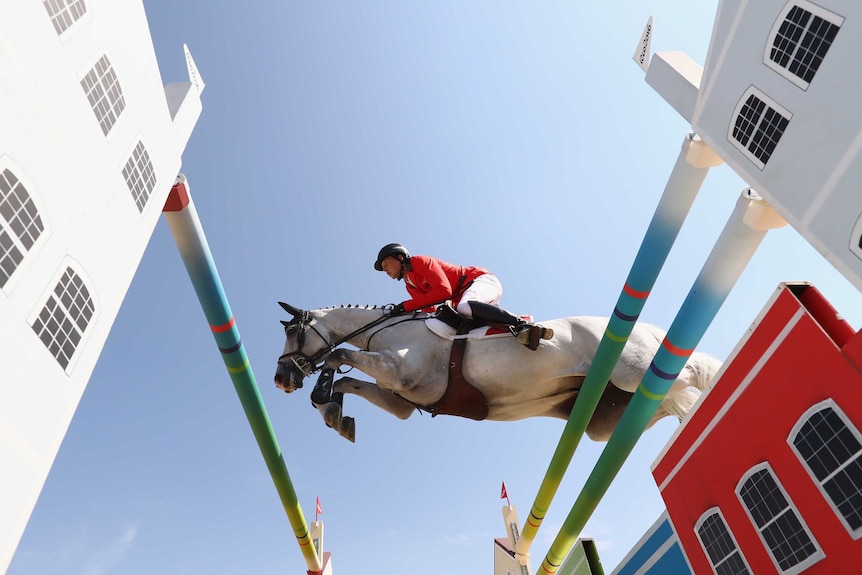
pixel 657 553
pixel 672 562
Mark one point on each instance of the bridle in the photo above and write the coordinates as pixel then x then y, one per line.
pixel 298 358
pixel 302 360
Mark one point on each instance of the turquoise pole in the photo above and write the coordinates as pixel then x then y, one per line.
pixel 688 174
pixel 732 252
pixel 188 233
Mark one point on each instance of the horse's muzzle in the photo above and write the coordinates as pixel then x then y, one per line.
pixel 288 378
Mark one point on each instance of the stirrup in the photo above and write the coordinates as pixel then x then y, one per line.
pixel 529 335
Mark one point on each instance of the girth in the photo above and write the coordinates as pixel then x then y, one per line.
pixel 460 398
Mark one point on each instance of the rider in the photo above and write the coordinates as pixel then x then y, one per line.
pixel 475 292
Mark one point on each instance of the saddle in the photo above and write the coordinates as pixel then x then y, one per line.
pixel 460 398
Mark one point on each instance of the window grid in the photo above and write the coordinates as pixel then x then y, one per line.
pixel 20 224
pixel 802 41
pixel 104 93
pixel 779 525
pixel 140 176
pixel 64 13
pixel 758 128
pixel 723 554
pixel 62 322
pixel 833 453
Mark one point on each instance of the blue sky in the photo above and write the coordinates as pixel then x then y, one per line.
pixel 516 136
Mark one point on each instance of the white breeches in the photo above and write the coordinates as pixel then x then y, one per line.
pixel 486 288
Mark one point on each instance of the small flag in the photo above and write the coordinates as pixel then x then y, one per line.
pixel 317 509
pixel 504 495
pixel 642 52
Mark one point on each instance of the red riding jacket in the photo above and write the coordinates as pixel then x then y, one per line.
pixel 431 281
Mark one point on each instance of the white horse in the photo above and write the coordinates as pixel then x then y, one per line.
pixel 410 364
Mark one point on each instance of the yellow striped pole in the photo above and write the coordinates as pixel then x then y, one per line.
pixel 189 236
pixel 689 172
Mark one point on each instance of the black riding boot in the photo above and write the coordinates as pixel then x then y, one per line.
pixel 527 333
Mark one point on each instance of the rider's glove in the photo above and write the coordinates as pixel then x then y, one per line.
pixel 397 310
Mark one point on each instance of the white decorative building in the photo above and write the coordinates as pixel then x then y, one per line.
pixel 90 144
pixel 778 100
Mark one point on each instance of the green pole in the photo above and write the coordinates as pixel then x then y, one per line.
pixel 188 233
pixel 742 234
pixel 688 174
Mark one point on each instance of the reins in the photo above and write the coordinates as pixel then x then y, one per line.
pixel 305 320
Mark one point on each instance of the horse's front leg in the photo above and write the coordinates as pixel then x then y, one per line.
pixel 383 398
pixel 380 366
pixel 332 410
pixel 333 417
pixel 322 392
pixel 383 367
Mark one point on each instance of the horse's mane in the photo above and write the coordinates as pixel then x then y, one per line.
pixel 366 306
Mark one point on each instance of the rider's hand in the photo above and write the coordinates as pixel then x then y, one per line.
pixel 397 310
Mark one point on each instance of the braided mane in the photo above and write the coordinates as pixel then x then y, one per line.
pixel 367 306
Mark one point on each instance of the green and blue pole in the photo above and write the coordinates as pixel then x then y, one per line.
pixel 189 236
pixel 735 246
pixel 689 172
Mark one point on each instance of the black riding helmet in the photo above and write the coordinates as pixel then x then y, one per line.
pixel 390 250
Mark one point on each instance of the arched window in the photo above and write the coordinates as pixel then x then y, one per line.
pixel 782 531
pixel 64 13
pixel 104 93
pixel 856 238
pixel 800 39
pixel 139 175
pixel 757 126
pixel 720 546
pixel 63 320
pixel 20 224
pixel 830 447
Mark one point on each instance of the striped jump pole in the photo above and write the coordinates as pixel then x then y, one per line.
pixel 742 234
pixel 689 172
pixel 186 228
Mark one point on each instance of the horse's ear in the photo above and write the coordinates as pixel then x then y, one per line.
pixel 294 311
pixel 285 323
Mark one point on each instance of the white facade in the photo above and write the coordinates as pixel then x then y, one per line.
pixel 778 100
pixel 90 144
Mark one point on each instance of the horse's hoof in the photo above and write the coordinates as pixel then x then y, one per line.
pixel 348 429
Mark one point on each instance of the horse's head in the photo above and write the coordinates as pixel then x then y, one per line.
pixel 305 344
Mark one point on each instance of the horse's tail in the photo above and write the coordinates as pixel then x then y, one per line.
pixel 677 403
pixel 703 368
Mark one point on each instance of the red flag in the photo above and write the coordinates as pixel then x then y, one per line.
pixel 503 494
pixel 317 509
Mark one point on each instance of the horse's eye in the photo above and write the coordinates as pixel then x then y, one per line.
pixel 291 329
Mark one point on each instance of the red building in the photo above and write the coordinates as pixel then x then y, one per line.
pixel 765 476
